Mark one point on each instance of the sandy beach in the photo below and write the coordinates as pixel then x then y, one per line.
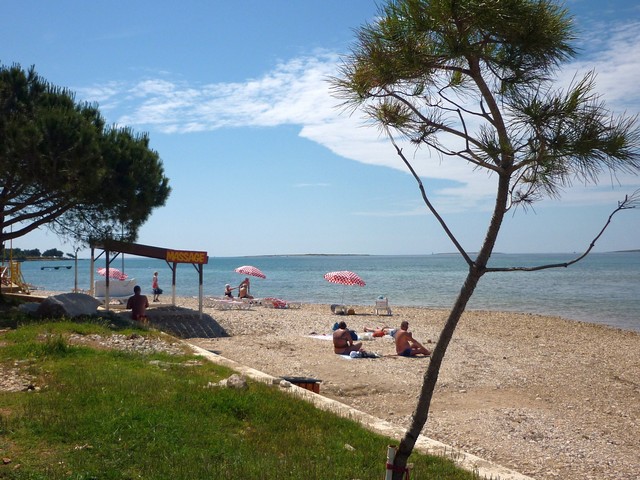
pixel 547 397
pixel 550 398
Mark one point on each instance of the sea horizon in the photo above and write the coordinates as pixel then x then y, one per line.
pixel 270 255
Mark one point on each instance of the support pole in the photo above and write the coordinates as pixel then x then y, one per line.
pixel 391 456
pixel 92 291
pixel 200 289
pixel 106 281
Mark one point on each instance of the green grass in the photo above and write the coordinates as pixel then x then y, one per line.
pixel 103 414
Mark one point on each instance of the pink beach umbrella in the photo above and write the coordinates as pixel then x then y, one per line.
pixel 113 273
pixel 249 270
pixel 344 277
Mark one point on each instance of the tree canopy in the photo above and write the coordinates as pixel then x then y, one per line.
pixel 63 168
pixel 472 80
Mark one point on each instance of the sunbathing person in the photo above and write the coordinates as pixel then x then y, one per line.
pixel 138 305
pixel 381 332
pixel 406 345
pixel 228 291
pixel 343 341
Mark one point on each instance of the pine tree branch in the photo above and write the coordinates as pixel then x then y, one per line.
pixel 629 202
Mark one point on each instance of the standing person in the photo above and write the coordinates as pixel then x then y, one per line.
pixel 406 345
pixel 138 305
pixel 343 341
pixel 244 289
pixel 155 287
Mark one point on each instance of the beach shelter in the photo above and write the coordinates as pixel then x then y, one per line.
pixel 112 248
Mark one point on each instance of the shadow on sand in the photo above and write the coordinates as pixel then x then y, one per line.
pixel 185 323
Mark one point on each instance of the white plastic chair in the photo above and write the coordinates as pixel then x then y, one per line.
pixel 382 305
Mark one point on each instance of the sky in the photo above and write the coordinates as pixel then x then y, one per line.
pixel 236 100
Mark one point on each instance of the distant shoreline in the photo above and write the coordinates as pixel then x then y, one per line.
pixel 285 255
pixel 44 259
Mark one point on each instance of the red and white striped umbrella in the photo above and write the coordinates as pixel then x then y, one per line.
pixel 249 270
pixel 113 273
pixel 344 277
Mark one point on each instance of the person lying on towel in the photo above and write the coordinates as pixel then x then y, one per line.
pixel 381 332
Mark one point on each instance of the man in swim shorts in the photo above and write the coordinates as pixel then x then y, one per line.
pixel 138 305
pixel 406 345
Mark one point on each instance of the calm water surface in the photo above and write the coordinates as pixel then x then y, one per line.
pixel 603 288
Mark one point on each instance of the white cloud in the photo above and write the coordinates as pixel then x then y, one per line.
pixel 297 92
pixel 614 54
pixel 294 93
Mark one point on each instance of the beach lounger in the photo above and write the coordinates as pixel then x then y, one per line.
pixel 252 302
pixel 382 305
pixel 226 304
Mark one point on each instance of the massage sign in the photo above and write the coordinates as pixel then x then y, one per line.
pixel 185 256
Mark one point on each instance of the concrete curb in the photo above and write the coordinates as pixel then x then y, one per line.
pixel 483 468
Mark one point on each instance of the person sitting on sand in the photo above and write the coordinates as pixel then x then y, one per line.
pixel 343 341
pixel 228 291
pixel 381 332
pixel 138 305
pixel 406 345
pixel 243 289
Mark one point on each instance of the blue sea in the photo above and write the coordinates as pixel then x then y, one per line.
pixel 602 288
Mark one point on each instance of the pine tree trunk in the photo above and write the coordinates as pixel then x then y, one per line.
pixel 476 270
pixel 421 411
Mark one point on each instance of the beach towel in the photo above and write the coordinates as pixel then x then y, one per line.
pixel 361 354
pixel 324 336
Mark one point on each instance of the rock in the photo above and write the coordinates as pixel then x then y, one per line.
pixel 68 305
pixel 237 381
pixel 234 381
